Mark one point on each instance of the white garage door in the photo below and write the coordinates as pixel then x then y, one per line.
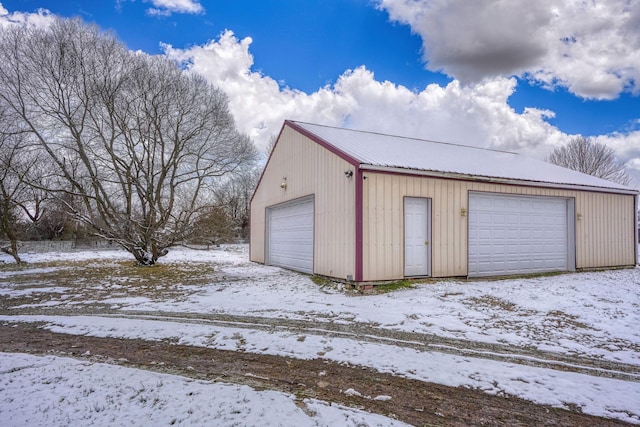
pixel 290 235
pixel 518 234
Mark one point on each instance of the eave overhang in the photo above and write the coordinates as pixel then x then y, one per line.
pixel 494 180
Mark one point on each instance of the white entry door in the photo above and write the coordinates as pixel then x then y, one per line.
pixel 417 236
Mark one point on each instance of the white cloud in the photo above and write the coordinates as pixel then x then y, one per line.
pixel 590 47
pixel 468 114
pixel 41 18
pixel 473 114
pixel 258 102
pixel 167 7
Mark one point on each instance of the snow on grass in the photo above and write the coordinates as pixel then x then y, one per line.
pixel 32 290
pixel 54 391
pixel 592 314
pixel 593 395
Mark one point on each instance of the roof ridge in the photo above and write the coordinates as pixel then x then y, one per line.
pixel 404 137
pixel 371 149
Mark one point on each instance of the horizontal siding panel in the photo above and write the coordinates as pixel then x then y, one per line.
pixel 310 169
pixel 604 226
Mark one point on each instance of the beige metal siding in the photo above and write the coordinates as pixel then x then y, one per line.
pixel 604 230
pixel 604 224
pixel 309 169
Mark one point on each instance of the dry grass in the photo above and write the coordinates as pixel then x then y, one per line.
pixel 69 273
pixel 81 282
pixel 492 302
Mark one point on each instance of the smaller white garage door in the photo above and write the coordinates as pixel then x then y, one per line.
pixel 510 234
pixel 290 235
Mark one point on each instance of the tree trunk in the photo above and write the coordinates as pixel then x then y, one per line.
pixel 143 256
pixel 12 250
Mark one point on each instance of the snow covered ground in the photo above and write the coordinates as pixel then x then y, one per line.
pixel 54 391
pixel 590 315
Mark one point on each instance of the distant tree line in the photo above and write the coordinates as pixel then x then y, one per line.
pixel 588 156
pixel 99 141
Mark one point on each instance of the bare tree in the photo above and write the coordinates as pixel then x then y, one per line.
pixel 213 227
pixel 11 189
pixel 227 219
pixel 55 221
pixel 19 201
pixel 234 196
pixel 591 157
pixel 136 140
pixel 270 146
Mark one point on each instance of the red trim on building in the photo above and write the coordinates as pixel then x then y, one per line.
pixel 265 166
pixel 489 180
pixel 358 190
pixel 323 143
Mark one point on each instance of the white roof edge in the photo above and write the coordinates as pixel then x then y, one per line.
pixel 541 184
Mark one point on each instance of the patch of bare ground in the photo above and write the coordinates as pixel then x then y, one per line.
pixel 415 402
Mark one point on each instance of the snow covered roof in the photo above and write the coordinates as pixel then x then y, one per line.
pixel 376 151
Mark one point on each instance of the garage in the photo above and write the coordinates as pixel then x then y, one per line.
pixel 349 204
pixel 513 234
pixel 290 234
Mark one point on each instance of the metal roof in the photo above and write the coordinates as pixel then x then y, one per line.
pixel 376 151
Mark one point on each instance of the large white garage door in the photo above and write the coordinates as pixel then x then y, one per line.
pixel 290 235
pixel 518 234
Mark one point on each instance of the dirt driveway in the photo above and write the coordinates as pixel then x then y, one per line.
pixel 90 288
pixel 415 402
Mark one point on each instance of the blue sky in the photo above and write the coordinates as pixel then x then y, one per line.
pixel 306 44
pixel 524 78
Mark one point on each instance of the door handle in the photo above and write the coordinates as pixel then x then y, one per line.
pixel 426 242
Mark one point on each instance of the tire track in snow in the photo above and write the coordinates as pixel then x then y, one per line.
pixel 368 333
